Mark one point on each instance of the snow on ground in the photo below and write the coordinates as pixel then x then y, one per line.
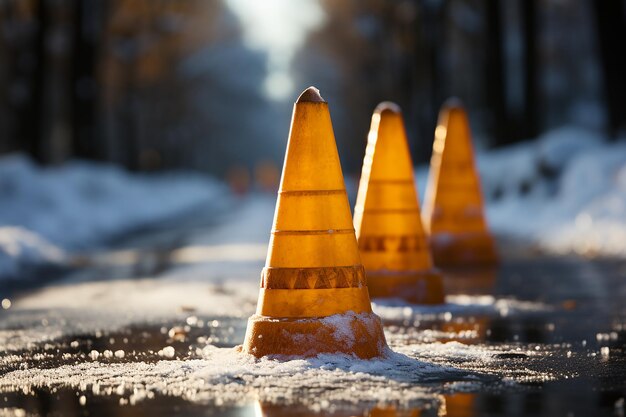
pixel 229 377
pixel 225 376
pixel 21 249
pixel 46 212
pixel 566 191
pixel 76 321
pixel 213 296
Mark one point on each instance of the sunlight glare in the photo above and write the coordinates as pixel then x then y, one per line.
pixel 280 28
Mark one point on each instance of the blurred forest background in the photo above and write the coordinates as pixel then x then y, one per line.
pixel 209 84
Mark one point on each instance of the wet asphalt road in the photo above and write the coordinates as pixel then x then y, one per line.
pixel 579 335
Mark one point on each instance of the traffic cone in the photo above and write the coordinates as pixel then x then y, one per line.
pixel 313 297
pixel 394 248
pixel 453 206
pixel 461 404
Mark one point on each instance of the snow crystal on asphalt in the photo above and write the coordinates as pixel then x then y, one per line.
pixel 237 378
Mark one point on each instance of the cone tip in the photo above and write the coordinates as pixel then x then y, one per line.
pixel 310 95
pixel 387 106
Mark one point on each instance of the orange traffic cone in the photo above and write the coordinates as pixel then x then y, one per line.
pixel 393 245
pixel 313 297
pixel 460 405
pixel 453 206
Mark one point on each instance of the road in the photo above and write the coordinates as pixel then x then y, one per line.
pixel 147 326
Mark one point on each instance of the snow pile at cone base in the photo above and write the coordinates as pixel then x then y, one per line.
pixel 45 211
pixel 226 376
pixel 343 325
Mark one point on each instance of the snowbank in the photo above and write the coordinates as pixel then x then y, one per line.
pixel 46 212
pixel 566 191
pixel 20 249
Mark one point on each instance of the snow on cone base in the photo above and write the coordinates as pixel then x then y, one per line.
pixel 313 297
pixel 360 335
pixel 393 244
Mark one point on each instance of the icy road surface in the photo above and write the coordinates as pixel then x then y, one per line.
pixel 149 329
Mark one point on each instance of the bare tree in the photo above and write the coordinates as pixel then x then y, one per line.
pixel 611 29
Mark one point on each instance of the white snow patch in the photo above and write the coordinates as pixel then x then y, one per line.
pixel 46 212
pixel 21 248
pixel 230 377
pixel 342 323
pixel 584 213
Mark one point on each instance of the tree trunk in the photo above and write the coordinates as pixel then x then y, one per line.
pixel 611 27
pixel 30 116
pixel 495 81
pixel 85 142
pixel 530 123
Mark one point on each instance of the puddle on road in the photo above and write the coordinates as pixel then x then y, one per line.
pixel 539 340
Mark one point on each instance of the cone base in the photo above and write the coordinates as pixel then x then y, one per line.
pixel 423 287
pixel 463 249
pixel 349 333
